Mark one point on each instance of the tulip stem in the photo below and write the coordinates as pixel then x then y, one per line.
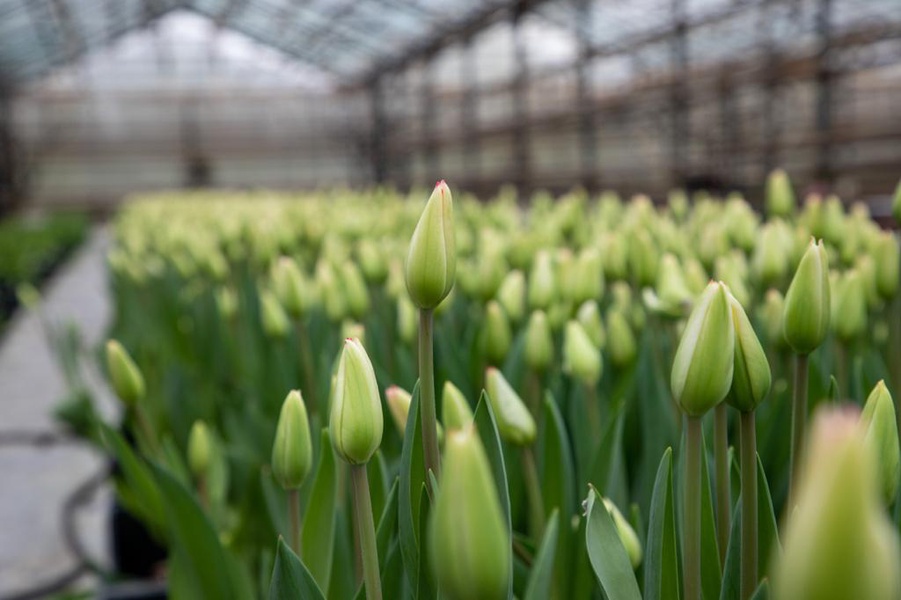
pixel 366 527
pixel 294 520
pixel 533 491
pixel 146 429
pixel 799 424
pixel 721 466
pixel 748 505
pixel 691 545
pixel 427 395
pixel 306 357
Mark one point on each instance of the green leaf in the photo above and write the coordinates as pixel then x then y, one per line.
pixel 387 525
pixel 487 427
pixel 607 554
pixel 138 479
pixel 426 587
pixel 412 476
pixel 290 578
pixel 378 482
pixel 767 529
pixel 540 578
pixel 661 566
pixel 762 592
pixel 608 466
pixel 558 485
pixel 318 535
pixel 731 587
pixel 833 393
pixel 711 576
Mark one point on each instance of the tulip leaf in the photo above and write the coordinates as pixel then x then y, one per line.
pixel 541 576
pixel 558 483
pixel 763 591
pixel 767 529
pixel 608 467
pixel 607 554
pixel 378 482
pixel 487 427
pixel 711 576
pixel 731 587
pixel 387 524
pixel 412 476
pixel 290 578
pixel 142 489
pixel 661 567
pixel 318 535
pixel 426 587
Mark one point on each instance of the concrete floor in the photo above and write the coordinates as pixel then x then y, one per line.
pixel 36 480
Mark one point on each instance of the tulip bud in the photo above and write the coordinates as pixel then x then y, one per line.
pixel 878 419
pixel 353 329
pixel 621 344
pixel 275 321
pixel 643 257
pixel 407 320
pixel 770 314
pixel 226 303
pixel 896 204
pixel 514 422
pixel 126 377
pixel 541 282
pixel 356 415
pixel 672 296
pixel 512 295
pixel 807 310
pixel 888 264
pixel 355 290
pixel 751 376
pixel 626 534
pixel 770 262
pixel 539 343
pixel 838 543
pixel 581 358
pixel 703 366
pixel 615 249
pixel 589 277
pixel 780 197
pixel 372 261
pixel 292 451
pixel 849 317
pixel 398 400
pixel 432 259
pixel 695 276
pixel 288 284
pixel 589 317
pixel 199 449
pixel 866 266
pixel 455 410
pixel 469 542
pixel 496 335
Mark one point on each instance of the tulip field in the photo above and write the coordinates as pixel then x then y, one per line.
pixel 344 394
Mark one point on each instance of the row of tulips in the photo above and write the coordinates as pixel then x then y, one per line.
pixel 573 349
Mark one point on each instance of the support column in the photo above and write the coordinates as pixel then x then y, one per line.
pixel 588 151
pixel 469 114
pixel 521 151
pixel 378 142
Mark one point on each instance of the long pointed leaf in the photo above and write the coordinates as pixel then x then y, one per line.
pixel 318 536
pixel 290 578
pixel 607 554
pixel 540 578
pixel 661 568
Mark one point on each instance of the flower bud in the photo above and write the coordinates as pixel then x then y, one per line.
pixel 455 410
pixel 621 345
pixel 866 266
pixel 199 449
pixel 695 276
pixel 589 277
pixel 643 257
pixel 539 343
pixel 838 543
pixel 888 264
pixel 878 419
pixel 288 284
pixel 407 320
pixel 126 377
pixel 780 197
pixel 849 317
pixel 770 262
pixel 372 261
pixel 274 320
pixel 432 259
pixel 702 368
pixel 292 451
pixel 581 359
pixel 626 533
pixel 355 290
pixel 589 317
pixel 512 295
pixel 514 422
pixel 807 310
pixel 671 297
pixel 398 400
pixel 770 314
pixel 542 290
pixel 469 542
pixel 226 303
pixel 615 250
pixel 751 377
pixel 356 420
pixel 496 334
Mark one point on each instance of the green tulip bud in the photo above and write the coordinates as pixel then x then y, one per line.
pixel 703 366
pixel 398 401
pixel 353 329
pixel 896 204
pixel 432 259
pixel 672 297
pixel 878 418
pixel 226 303
pixel 469 543
pixel 334 299
pixel 356 292
pixel 589 317
pixel 770 314
pixel 615 250
pixel 199 449
pixel 496 334
pixel 849 316
pixel 807 310
pixel 751 376
pixel 275 321
pixel 514 422
pixel 542 290
pixel 643 257
pixel 888 264
pixel 288 284
pixel 407 320
pixel 626 533
pixel 780 196
pixel 581 358
pixel 292 451
pixel 372 261
pixel 539 343
pixel 621 345
pixel 770 262
pixel 356 420
pixel 677 200
pixel 696 277
pixel 455 410
pixel 512 295
pixel 833 220
pixel 838 543
pixel 866 267
pixel 588 283
pixel 126 377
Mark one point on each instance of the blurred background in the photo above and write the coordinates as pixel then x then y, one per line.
pixel 100 98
